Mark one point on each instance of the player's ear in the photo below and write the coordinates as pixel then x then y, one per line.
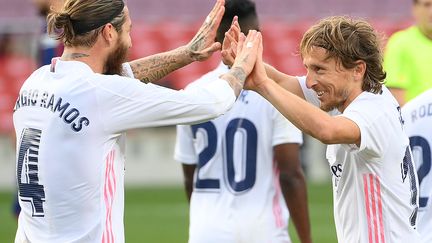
pixel 109 33
pixel 359 70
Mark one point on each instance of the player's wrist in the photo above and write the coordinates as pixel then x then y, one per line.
pixel 235 78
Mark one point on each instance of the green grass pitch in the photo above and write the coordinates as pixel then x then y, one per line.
pixel 160 215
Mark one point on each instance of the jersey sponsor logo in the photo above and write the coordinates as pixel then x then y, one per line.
pixel 337 173
pixel 336 170
pixel 69 115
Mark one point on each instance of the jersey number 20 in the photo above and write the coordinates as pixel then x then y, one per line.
pixel 236 125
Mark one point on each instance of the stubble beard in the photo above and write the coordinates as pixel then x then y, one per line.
pixel 340 99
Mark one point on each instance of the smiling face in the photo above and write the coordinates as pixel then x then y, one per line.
pixel 336 86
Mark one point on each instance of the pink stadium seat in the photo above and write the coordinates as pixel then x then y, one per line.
pixel 146 40
pixel 14 70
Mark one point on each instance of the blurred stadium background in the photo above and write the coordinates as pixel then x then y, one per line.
pixel 156 208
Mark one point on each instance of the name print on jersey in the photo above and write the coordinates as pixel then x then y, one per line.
pixel 421 112
pixel 69 114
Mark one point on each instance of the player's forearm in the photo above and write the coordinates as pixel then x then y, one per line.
pixel 287 82
pixel 294 189
pixel 303 115
pixel 155 67
pixel 188 174
pixel 235 78
pixel 188 189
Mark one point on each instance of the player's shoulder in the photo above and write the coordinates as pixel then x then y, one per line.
pixel 374 105
pixel 424 98
pixel 253 99
pixel 118 81
pixel 404 36
pixel 210 76
pixel 36 75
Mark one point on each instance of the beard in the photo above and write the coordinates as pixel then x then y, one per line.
pixel 337 103
pixel 113 64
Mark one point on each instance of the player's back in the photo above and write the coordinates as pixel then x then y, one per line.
pixel 236 184
pixel 64 159
pixel 417 115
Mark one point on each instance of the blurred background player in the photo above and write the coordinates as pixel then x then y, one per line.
pixel 408 55
pixel 417 115
pixel 47 48
pixel 241 170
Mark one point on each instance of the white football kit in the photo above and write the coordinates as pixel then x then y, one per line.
pixel 417 115
pixel 375 189
pixel 236 195
pixel 70 125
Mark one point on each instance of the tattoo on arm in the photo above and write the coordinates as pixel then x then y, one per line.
pixel 236 78
pixel 239 74
pixel 155 67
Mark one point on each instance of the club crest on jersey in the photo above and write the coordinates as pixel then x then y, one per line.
pixel 242 96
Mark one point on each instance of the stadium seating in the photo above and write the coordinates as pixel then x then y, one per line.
pixel 13 71
pixel 281 43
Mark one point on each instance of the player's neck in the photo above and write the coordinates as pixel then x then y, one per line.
pixel 426 32
pixel 85 55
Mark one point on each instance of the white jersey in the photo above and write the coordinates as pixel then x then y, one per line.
pixel 375 188
pixel 417 115
pixel 236 195
pixel 70 125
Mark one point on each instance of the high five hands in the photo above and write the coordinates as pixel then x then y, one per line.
pixel 203 44
pixel 231 46
pixel 247 49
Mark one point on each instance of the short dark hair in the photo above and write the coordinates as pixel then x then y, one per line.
pixel 247 17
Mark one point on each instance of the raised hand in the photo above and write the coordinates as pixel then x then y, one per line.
pixel 258 75
pixel 202 45
pixel 246 55
pixel 229 46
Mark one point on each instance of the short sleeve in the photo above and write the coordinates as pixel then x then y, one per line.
pixel 373 136
pixel 184 151
pixel 284 130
